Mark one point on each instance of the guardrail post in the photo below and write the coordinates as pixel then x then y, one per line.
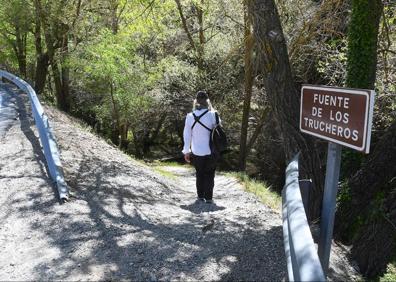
pixel 329 203
pixel 305 189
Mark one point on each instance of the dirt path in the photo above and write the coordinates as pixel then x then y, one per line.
pixel 125 221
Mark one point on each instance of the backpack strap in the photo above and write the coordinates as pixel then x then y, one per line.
pixel 197 120
pixel 217 118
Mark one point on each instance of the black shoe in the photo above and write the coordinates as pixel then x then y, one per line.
pixel 209 201
pixel 199 201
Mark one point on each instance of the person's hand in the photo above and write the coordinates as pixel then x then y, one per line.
pixel 187 157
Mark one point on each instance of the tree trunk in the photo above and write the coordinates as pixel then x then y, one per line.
pixel 283 97
pixel 115 133
pixel 20 50
pixel 263 120
pixel 115 123
pixel 56 73
pixel 124 136
pixel 65 90
pixel 362 43
pixel 184 24
pixel 41 73
pixel 200 48
pixel 249 42
pixel 138 152
pixel 41 58
pixel 114 16
pixel 146 142
pixel 151 136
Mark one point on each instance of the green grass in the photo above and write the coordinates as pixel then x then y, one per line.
pixel 160 164
pixel 390 274
pixel 164 172
pixel 159 167
pixel 260 189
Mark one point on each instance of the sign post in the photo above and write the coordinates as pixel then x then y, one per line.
pixel 343 117
pixel 329 204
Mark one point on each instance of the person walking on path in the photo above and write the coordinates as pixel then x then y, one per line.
pixel 198 126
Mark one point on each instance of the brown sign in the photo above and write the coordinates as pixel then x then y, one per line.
pixel 339 115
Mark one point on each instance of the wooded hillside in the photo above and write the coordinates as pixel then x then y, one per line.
pixel 131 69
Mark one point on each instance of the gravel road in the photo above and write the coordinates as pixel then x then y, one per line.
pixel 124 221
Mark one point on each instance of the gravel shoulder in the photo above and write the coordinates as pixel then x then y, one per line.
pixel 124 221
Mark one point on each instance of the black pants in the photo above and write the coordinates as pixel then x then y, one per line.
pixel 205 167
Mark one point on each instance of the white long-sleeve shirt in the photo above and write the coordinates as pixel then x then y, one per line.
pixel 196 141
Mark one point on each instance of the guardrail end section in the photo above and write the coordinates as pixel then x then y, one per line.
pixel 63 190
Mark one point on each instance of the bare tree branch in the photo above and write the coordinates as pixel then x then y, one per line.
pixel 184 23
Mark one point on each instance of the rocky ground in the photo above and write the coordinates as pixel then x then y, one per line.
pixel 125 221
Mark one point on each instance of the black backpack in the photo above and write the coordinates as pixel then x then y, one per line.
pixel 218 139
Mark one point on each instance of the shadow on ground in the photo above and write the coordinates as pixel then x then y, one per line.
pixel 199 207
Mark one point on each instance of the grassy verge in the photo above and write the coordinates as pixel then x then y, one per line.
pixel 164 172
pixel 260 189
pixel 173 164
pixel 159 167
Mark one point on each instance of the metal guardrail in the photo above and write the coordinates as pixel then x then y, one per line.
pixel 47 137
pixel 302 259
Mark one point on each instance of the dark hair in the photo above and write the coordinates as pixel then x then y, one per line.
pixel 202 95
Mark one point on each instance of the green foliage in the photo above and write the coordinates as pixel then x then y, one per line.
pixel 15 14
pixel 344 195
pixel 104 63
pixel 106 58
pixel 385 107
pixel 16 21
pixel 331 66
pixel 390 274
pixel 7 56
